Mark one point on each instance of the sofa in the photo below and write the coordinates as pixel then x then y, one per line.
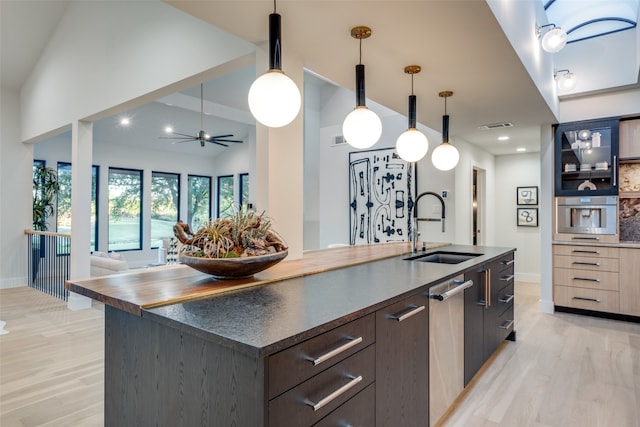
pixel 104 264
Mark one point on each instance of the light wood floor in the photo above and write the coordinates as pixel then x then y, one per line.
pixel 564 370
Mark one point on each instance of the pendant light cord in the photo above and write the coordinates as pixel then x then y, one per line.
pixel 274 6
pixel 445 105
pixel 412 85
pixel 360 39
pixel 201 107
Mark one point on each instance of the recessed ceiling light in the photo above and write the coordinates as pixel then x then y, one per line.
pixel 168 129
pixel 503 138
pixel 521 150
pixel 125 121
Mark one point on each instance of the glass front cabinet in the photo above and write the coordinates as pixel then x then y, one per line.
pixel 586 158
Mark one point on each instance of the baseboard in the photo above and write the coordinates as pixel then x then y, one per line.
pixel 13 282
pixel 546 307
pixel 528 277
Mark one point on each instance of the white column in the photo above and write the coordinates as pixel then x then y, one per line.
pixel 546 219
pixel 81 157
pixel 280 165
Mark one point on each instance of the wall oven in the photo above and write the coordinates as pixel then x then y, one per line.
pixel 587 215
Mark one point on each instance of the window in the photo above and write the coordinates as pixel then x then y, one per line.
pixel 199 201
pixel 225 196
pixel 125 209
pixel 244 190
pixel 63 201
pixel 165 203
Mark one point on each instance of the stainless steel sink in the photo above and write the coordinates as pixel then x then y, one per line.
pixel 443 257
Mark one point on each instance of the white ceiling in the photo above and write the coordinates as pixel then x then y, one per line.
pixel 459 44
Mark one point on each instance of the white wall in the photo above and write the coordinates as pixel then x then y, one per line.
pixel 16 160
pixel 311 190
pixel 104 54
pixel 520 170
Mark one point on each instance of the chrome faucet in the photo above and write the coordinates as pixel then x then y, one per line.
pixel 415 216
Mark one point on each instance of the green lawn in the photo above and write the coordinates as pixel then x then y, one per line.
pixel 124 234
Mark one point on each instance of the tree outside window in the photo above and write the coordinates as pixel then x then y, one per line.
pixel 198 201
pixel 125 209
pixel 165 202
pixel 244 190
pixel 225 196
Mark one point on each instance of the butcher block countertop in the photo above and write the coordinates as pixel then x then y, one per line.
pixel 165 285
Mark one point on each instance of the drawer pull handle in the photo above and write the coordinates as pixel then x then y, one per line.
pixel 595 264
pixel 511 261
pixel 587 299
pixel 585 238
pixel 507 299
pixel 507 278
pixel 334 394
pixel 506 325
pixel 581 251
pixel 586 279
pixel 332 353
pixel 414 310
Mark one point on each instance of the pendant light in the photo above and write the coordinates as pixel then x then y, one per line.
pixel 274 99
pixel 445 157
pixel 362 127
pixel 412 145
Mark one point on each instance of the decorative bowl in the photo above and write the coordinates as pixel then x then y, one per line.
pixel 233 268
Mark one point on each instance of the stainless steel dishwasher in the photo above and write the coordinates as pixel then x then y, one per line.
pixel 446 345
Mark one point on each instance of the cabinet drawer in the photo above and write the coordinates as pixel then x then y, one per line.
pixel 334 386
pixel 603 280
pixel 359 411
pixel 290 367
pixel 588 251
pixel 505 297
pixel 586 299
pixel 506 321
pixel 587 263
pixel 504 263
pixel 504 278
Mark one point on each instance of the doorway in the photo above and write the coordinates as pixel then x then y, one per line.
pixel 477 206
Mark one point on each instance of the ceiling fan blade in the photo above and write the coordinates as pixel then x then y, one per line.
pixel 183 134
pixel 221 136
pixel 229 140
pixel 216 142
pixel 177 138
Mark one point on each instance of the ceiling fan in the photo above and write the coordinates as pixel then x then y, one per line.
pixel 201 136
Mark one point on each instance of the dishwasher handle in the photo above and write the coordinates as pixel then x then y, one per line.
pixel 460 286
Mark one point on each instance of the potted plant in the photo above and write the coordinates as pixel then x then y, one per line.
pixel 45 191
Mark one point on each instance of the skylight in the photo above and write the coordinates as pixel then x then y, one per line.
pixel 585 19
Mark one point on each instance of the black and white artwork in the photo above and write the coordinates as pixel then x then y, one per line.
pixel 381 197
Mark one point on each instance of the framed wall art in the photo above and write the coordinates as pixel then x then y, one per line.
pixel 380 197
pixel 527 217
pixel 527 195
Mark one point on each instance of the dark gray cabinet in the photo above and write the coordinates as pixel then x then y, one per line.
pixel 488 312
pixel 402 363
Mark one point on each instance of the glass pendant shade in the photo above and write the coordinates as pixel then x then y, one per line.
pixel 445 157
pixel 274 99
pixel 362 128
pixel 554 40
pixel 566 81
pixel 412 145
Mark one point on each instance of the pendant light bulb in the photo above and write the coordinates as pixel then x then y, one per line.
pixel 274 99
pixel 412 145
pixel 445 157
pixel 362 127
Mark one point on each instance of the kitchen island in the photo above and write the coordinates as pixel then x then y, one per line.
pixel 277 351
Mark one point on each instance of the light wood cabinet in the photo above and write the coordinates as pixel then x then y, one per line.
pixel 630 281
pixel 630 139
pixel 586 277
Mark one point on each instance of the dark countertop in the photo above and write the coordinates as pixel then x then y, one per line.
pixel 263 320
